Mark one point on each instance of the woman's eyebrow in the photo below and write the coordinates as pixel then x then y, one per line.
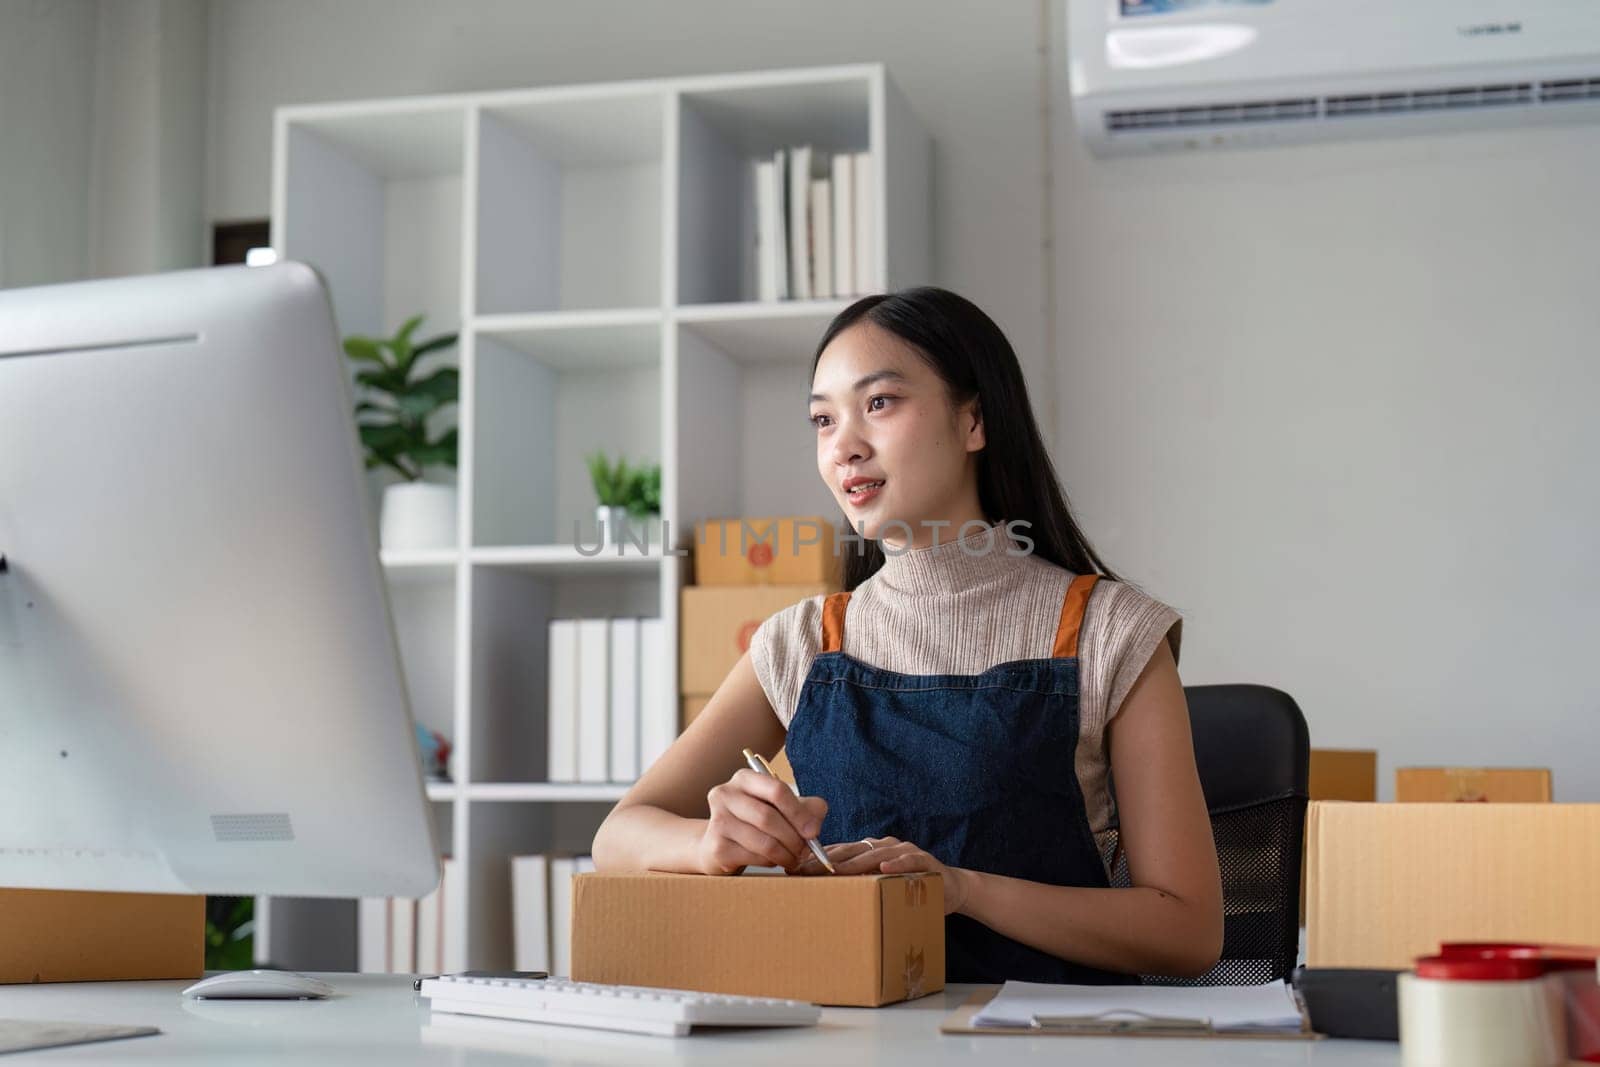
pixel 866 380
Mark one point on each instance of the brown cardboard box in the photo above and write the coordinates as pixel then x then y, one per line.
pixel 716 626
pixel 1344 774
pixel 1339 774
pixel 861 941
pixel 766 551
pixel 1389 882
pixel 49 935
pixel 1451 785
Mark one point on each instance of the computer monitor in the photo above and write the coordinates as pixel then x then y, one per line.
pixel 200 686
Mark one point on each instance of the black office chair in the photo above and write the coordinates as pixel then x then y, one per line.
pixel 1253 752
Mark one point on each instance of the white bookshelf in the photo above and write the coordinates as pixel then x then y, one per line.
pixel 594 245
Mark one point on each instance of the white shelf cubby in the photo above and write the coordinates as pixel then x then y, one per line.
pixel 594 246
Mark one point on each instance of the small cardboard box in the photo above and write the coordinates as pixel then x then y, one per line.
pixel 1390 882
pixel 49 935
pixel 860 941
pixel 1344 774
pixel 1338 774
pixel 766 551
pixel 717 623
pixel 1455 785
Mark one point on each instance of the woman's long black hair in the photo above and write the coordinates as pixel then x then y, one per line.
pixel 1016 480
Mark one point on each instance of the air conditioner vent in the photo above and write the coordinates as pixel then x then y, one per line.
pixel 1304 107
pixel 1570 89
pixel 1398 102
pixel 1428 100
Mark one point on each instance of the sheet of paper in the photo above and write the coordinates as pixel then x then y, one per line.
pixel 20 1035
pixel 1262 1007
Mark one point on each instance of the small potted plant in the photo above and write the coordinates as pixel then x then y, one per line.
pixel 613 488
pixel 398 401
pixel 644 502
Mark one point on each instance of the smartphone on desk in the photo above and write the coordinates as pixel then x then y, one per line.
pixel 527 975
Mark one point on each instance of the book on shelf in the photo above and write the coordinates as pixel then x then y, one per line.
pixel 594 699
pixel 608 716
pixel 546 916
pixel 866 221
pixel 530 913
pixel 844 275
pixel 781 223
pixel 767 226
pixel 624 660
pixel 658 708
pixel 814 237
pixel 800 222
pixel 562 705
pixel 404 935
pixel 822 238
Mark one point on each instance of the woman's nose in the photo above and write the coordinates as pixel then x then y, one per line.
pixel 847 446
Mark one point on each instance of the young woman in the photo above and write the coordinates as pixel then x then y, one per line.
pixel 965 705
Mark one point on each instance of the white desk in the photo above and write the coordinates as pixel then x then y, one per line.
pixel 378 1019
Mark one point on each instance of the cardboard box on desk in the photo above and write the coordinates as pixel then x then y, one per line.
pixel 1456 785
pixel 766 551
pixel 1343 774
pixel 1390 882
pixel 860 941
pixel 716 625
pixel 1338 774
pixel 49 935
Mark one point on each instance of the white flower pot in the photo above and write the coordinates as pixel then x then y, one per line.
pixel 612 524
pixel 418 515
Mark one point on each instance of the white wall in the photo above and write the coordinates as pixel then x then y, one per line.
pixel 968 68
pixel 1331 402
pixel 46 107
pixel 102 127
pixel 1336 404
pixel 147 177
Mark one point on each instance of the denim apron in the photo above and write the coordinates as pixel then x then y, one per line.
pixel 978 770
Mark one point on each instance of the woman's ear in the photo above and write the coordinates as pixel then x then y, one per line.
pixel 972 419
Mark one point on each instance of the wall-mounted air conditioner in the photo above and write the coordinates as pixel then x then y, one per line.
pixel 1153 75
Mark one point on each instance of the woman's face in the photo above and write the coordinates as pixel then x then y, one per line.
pixel 884 423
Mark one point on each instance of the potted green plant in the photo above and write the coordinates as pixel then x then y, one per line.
pixel 644 501
pixel 613 488
pixel 398 400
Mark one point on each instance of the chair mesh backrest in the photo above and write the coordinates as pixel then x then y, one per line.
pixel 1253 754
pixel 1258 851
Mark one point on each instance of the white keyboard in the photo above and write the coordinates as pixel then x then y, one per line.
pixel 636 1009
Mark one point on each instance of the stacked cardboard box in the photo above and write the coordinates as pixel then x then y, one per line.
pixel 745 571
pixel 1456 785
pixel 1390 882
pixel 1339 774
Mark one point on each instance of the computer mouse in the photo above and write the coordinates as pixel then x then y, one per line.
pixel 259 985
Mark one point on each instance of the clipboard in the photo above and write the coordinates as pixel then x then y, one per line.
pixel 959 1021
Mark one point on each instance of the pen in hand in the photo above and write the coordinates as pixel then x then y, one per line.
pixel 760 766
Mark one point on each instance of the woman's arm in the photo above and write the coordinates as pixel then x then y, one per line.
pixel 699 809
pixel 1170 921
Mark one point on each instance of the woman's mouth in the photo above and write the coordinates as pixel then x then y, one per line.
pixel 864 493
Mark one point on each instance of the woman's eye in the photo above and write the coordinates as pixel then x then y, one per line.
pixel 817 420
pixel 875 399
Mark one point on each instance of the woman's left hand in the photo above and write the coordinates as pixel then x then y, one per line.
pixel 890 855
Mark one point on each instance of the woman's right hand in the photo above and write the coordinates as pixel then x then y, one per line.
pixel 757 820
